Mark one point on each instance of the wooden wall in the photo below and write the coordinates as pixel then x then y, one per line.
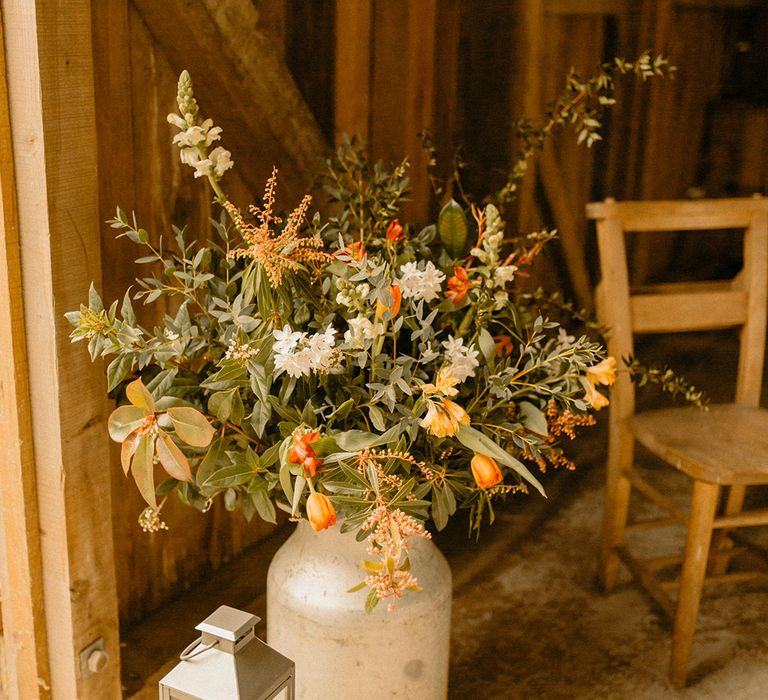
pixel 286 77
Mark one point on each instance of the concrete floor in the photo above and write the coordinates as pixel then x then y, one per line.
pixel 535 625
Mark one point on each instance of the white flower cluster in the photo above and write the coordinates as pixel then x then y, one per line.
pixel 462 360
pixel 352 295
pixel 193 142
pixel 298 354
pixel 239 352
pixel 362 329
pixel 420 284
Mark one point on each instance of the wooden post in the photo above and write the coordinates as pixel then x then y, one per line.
pixel 53 137
pixel 352 89
pixel 21 591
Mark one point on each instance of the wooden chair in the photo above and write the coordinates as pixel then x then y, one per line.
pixel 726 446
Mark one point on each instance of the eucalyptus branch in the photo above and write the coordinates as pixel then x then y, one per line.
pixel 582 105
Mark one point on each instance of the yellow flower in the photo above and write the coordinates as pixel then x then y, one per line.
pixel 603 373
pixel 320 511
pixel 445 383
pixel 594 397
pixel 485 470
pixel 443 419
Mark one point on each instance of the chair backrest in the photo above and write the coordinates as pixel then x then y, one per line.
pixel 684 306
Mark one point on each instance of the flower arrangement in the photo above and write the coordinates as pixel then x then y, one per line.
pixel 355 367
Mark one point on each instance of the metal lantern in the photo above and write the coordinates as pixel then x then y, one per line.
pixel 228 662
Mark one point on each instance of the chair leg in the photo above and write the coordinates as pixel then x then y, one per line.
pixel 721 543
pixel 614 524
pixel 703 507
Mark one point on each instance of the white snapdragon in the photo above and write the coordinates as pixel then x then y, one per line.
pixel 418 284
pixel 362 329
pixel 195 137
pixel 461 359
pixel 500 300
pixel 504 274
pixel 298 354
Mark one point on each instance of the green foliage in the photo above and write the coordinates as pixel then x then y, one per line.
pixel 369 368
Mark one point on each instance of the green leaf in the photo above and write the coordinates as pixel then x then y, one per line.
pixel 232 475
pixel 227 405
pixel 533 418
pixel 487 346
pixel 172 458
pixel 139 396
pixel 298 490
pixel 94 300
pixel 342 411
pixel 452 227
pixel 191 426
pixel 356 440
pixel 123 421
pixel 481 444
pixel 117 370
pixel 377 418
pixel 161 382
pixel 264 506
pixel 371 601
pixel 143 469
pixel 212 461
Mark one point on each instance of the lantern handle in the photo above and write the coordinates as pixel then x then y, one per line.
pixel 188 654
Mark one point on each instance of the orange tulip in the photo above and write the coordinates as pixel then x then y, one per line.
pixel 320 511
pixel 301 452
pixel 395 232
pixel 485 470
pixel 458 285
pixel 504 345
pixel 397 297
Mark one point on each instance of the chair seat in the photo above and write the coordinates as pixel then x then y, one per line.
pixel 728 444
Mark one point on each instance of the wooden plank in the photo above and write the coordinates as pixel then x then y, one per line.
pixel 752 340
pixel 531 46
pixel 586 7
pixel 24 671
pixel 352 78
pixel 242 83
pixel 750 518
pixel 680 215
pixel 662 313
pixel 50 84
pixel 420 100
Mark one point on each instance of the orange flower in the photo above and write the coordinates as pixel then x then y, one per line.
pixel 594 397
pixel 395 232
pixel 301 452
pixel 485 470
pixel 355 250
pixel 397 297
pixel 603 372
pixel 458 285
pixel 504 345
pixel 444 419
pixel 320 511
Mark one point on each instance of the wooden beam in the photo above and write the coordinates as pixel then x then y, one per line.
pixel 21 592
pixel 352 76
pixel 586 7
pixel 531 39
pixel 241 83
pixel 50 86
